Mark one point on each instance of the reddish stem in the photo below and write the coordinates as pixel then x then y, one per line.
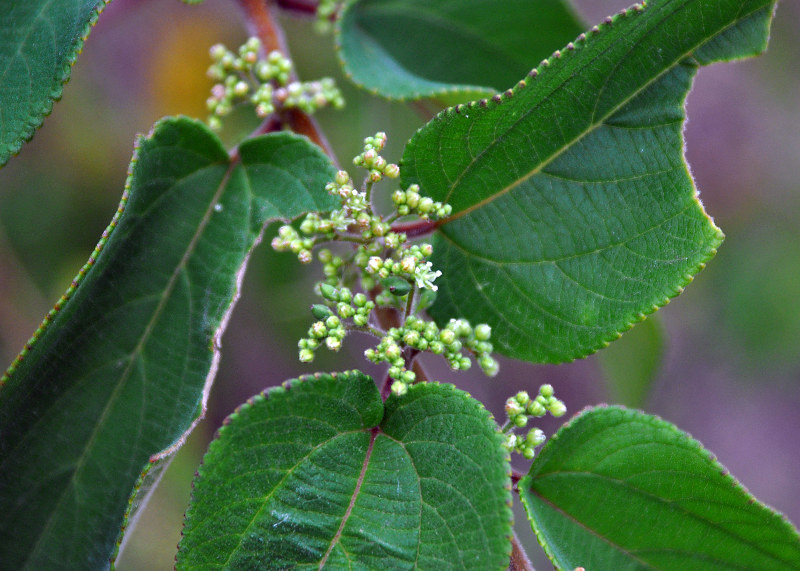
pixel 305 8
pixel 261 23
pixel 416 228
pixel 519 559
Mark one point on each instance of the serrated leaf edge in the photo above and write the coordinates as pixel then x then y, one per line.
pixel 654 420
pixel 60 79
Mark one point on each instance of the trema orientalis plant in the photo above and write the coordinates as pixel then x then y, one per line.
pixel 542 210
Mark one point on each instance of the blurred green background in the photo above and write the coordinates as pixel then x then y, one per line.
pixel 722 361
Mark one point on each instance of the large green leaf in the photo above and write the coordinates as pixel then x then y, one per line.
pixel 619 489
pixel 39 42
pixel 319 473
pixel 574 212
pixel 120 368
pixel 409 49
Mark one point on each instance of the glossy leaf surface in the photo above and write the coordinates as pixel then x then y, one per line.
pixel 619 489
pixel 574 212
pixel 410 49
pixel 120 369
pixel 39 42
pixel 319 473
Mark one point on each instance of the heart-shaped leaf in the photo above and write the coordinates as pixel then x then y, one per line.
pixel 620 489
pixel 463 49
pixel 319 473
pixel 574 211
pixel 120 368
pixel 41 40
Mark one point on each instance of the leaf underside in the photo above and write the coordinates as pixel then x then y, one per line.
pixel 39 42
pixel 619 489
pixel 118 371
pixel 318 473
pixel 574 211
pixel 412 49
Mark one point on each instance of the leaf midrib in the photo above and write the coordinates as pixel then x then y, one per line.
pixel 353 498
pixel 125 375
pixel 647 494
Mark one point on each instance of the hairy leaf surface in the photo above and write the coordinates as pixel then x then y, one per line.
pixel 39 42
pixel 319 473
pixel 120 368
pixel 619 489
pixel 574 212
pixel 410 49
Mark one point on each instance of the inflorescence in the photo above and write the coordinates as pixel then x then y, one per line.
pixel 264 82
pixel 394 272
pixel 519 409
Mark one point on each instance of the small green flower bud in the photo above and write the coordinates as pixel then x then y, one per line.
pixel 535 437
pixel 397 286
pixel 411 338
pixel 359 300
pixel 523 398
pixel 399 388
pixel 447 336
pixel 333 343
pixel 392 170
pixel 510 442
pixel 535 408
pixel 483 332
pixel 513 408
pixel 409 376
pixel 344 310
pixel 342 178
pixel 332 322
pixel 528 453
pixel 329 292
pixel 360 320
pixel 546 391
pixel 436 347
pixel 393 352
pixel 520 420
pixel 306 355
pixel 318 330
pixel 558 409
pixel 320 312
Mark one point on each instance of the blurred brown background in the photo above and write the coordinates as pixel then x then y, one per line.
pixel 730 365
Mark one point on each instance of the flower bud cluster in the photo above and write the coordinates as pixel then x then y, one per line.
pixel 330 329
pixel 525 445
pixel 451 341
pixel 409 261
pixel 288 240
pixel 380 257
pixel 244 76
pixel 409 201
pixel 372 161
pixel 519 408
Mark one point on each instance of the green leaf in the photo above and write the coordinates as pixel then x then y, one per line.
pixel 619 489
pixel 410 49
pixel 41 40
pixel 319 473
pixel 574 211
pixel 121 367
pixel 630 365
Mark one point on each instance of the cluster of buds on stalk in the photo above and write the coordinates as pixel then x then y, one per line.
pixel 244 76
pixel 340 306
pixel 391 270
pixel 519 409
